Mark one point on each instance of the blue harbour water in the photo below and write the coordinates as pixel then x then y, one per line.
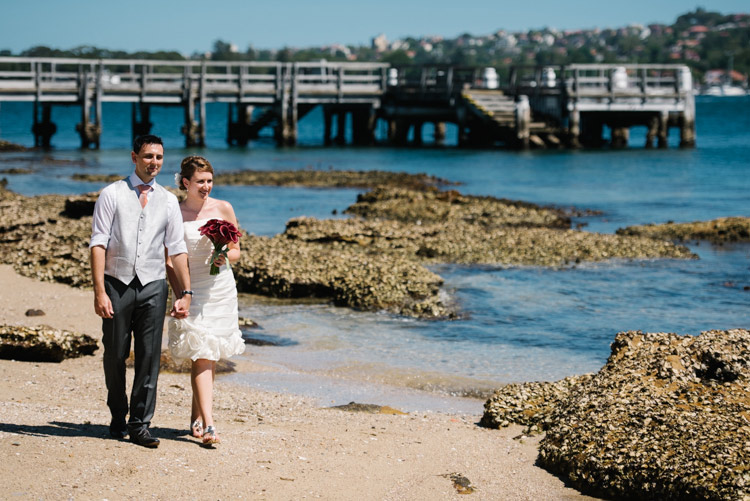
pixel 518 323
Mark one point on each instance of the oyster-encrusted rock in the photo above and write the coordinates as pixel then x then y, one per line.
pixel 471 243
pixel 332 178
pixel 43 344
pixel 668 417
pixel 725 229
pixel 8 146
pixel 450 207
pixel 528 404
pixel 284 267
pixel 366 264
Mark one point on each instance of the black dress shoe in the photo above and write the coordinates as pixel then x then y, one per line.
pixel 118 431
pixel 143 437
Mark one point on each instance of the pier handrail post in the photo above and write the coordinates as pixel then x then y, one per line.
pixel 202 106
pixel 339 83
pixel 143 83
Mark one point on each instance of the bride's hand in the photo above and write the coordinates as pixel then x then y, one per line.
pixel 220 260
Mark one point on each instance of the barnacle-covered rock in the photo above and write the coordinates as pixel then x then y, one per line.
pixel 285 267
pixel 528 404
pixel 725 229
pixel 451 207
pixel 668 417
pixel 470 243
pixel 332 178
pixel 43 344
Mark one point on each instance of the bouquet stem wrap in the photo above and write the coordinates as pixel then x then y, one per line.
pixel 220 233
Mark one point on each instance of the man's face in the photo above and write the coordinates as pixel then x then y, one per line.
pixel 148 161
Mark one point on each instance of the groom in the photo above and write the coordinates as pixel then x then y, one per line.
pixel 135 219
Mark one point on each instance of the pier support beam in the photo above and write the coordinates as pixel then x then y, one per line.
pixel 663 129
pixel 43 128
pixel 652 132
pixel 620 137
pixel 439 133
pixel 363 126
pixel 340 128
pixel 88 130
pixel 327 125
pixel 239 130
pixel 417 141
pixel 140 119
pixel 687 132
pixel 592 130
pixel 194 130
pixel 574 129
pixel 523 122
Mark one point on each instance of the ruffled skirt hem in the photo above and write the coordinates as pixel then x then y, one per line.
pixel 190 341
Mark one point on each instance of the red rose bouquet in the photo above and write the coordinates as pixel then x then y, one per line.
pixel 221 233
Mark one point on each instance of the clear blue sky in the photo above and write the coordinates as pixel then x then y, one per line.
pixel 193 25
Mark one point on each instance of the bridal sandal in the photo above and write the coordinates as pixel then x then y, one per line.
pixel 196 428
pixel 210 437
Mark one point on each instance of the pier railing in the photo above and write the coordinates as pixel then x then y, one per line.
pixel 166 82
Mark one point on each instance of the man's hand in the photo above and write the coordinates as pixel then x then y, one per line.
pixel 103 305
pixel 181 307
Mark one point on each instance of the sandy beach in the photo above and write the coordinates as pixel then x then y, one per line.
pixel 54 435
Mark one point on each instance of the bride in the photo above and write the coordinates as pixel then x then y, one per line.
pixel 211 331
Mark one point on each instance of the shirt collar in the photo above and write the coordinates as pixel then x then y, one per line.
pixel 135 181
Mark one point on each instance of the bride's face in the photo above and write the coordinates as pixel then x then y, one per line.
pixel 200 185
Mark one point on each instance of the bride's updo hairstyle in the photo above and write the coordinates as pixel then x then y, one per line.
pixel 192 164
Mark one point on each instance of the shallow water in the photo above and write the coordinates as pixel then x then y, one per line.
pixel 518 323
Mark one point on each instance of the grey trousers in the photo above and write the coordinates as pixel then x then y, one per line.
pixel 139 312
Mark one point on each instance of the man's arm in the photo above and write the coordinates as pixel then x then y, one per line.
pixel 181 273
pixel 102 303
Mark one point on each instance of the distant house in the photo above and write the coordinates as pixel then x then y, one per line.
pixel 717 77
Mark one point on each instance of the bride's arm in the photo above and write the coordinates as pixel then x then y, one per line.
pixel 233 249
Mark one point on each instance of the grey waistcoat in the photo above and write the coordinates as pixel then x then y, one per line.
pixel 136 242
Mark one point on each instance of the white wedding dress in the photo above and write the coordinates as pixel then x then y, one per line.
pixel 212 330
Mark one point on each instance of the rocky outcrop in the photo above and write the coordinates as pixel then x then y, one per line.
pixel 289 268
pixel 378 263
pixel 43 344
pixel 528 404
pixel 472 243
pixel 717 231
pixel 8 146
pixel 332 179
pixel 668 417
pixel 451 207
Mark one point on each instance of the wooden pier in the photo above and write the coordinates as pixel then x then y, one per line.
pixel 539 106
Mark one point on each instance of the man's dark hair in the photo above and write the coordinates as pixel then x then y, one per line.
pixel 145 139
